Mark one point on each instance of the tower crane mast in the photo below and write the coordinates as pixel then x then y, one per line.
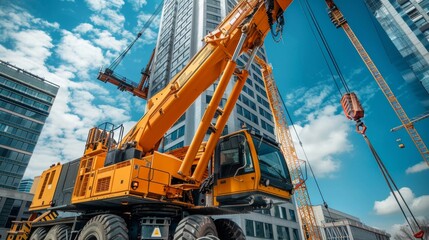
pixel 339 21
pixel 305 210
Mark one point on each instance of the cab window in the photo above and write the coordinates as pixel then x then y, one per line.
pixel 233 157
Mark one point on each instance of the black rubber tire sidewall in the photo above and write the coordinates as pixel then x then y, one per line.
pixel 39 234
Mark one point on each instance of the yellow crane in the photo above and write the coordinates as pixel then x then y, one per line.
pixel 305 210
pixel 338 20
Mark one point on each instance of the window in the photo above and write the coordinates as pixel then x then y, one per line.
pixel 213 17
pixel 283 212
pixel 295 234
pixel 277 211
pixel 259 227
pixel 268 231
pixel 283 233
pixel 292 215
pixel 247 101
pixel 179 145
pixel 247 114
pixel 263 102
pixel 174 135
pixel 250 229
pixel 267 126
pixel 213 9
pixel 23 89
pixel 266 114
pixel 272 164
pixel 233 156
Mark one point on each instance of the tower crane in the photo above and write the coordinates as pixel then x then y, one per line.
pixel 309 225
pixel 339 21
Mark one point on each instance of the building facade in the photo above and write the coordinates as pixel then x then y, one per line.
pixel 13 207
pixel 25 185
pixel 406 23
pixel 280 222
pixel 25 102
pixel 183 26
pixel 338 225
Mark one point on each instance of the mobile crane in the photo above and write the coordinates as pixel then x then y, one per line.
pixel 123 188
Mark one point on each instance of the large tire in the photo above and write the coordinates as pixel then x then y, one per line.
pixel 39 234
pixel 209 237
pixel 229 230
pixel 104 227
pixel 58 232
pixel 194 227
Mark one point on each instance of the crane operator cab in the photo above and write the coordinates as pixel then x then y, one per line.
pixel 250 171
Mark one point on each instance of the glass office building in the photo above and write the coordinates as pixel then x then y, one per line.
pixel 13 207
pixel 183 26
pixel 406 23
pixel 25 102
pixel 25 185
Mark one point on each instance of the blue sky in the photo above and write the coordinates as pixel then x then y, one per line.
pixel 67 41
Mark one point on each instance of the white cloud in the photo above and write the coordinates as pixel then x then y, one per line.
pixel 419 205
pixel 97 5
pixel 324 130
pixel 419 167
pixel 81 54
pixel 309 99
pixel 83 28
pixel 110 19
pixel 142 18
pixel 77 55
pixel 137 4
pixel 107 41
pixel 324 137
pixel 31 48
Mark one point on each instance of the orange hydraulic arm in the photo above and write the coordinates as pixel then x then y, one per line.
pixel 339 21
pixel 244 29
pixel 310 229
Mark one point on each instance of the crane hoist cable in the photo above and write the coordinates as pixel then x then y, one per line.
pixel 146 25
pixel 354 111
pixel 325 204
pixel 326 45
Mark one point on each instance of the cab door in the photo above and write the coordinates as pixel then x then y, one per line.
pixel 234 170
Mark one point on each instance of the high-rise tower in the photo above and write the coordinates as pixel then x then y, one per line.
pixel 25 102
pixel 184 24
pixel 406 23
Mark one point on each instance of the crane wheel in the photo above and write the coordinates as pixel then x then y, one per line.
pixel 39 234
pixel 209 237
pixel 229 230
pixel 104 227
pixel 58 232
pixel 195 227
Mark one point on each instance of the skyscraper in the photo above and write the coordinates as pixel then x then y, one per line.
pixel 183 26
pixel 25 102
pixel 406 23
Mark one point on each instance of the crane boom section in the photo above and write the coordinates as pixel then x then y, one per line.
pixel 284 137
pixel 339 21
pixel 166 107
